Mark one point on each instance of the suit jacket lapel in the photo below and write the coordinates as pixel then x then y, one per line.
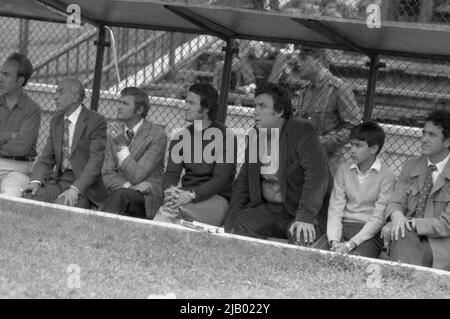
pixel 254 169
pixel 283 151
pixel 420 171
pixel 140 138
pixel 445 174
pixel 58 135
pixel 79 128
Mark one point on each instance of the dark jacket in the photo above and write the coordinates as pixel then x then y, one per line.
pixel 205 179
pixel 303 175
pixel 87 154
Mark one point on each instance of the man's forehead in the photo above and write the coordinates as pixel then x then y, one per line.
pixel 431 127
pixel 127 98
pixel 9 66
pixel 68 85
pixel 356 141
pixel 264 99
pixel 192 96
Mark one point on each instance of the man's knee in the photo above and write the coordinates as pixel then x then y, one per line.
pixel 406 242
pixel 235 224
pixel 230 224
pixel 120 193
pixel 115 200
pixel 407 249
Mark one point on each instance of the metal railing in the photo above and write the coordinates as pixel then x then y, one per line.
pixel 75 58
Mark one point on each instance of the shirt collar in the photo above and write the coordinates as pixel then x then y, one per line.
pixel 376 166
pixel 441 165
pixel 19 103
pixel 74 116
pixel 136 127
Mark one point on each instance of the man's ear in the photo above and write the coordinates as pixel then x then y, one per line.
pixel 139 110
pixel 447 142
pixel 279 114
pixel 374 148
pixel 20 80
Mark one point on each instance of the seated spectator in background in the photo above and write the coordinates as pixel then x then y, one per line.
pixel 324 100
pixel 273 5
pixel 418 231
pixel 250 68
pixel 68 171
pixel 134 159
pixel 408 10
pixel 206 184
pixel 289 201
pixel 20 118
pixel 362 187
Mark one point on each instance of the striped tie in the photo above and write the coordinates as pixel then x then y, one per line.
pixel 130 135
pixel 66 147
pixel 425 192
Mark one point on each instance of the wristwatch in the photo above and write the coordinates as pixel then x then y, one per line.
pixel 193 195
pixel 350 245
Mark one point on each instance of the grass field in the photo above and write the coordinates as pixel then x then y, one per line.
pixel 121 259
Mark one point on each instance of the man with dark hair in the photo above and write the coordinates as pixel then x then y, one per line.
pixel 20 118
pixel 325 100
pixel 68 171
pixel 134 159
pixel 418 231
pixel 208 178
pixel 289 199
pixel 362 187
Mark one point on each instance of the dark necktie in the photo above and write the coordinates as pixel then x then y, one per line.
pixel 65 147
pixel 130 135
pixel 425 192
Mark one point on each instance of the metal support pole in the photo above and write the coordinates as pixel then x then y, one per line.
pixel 371 86
pixel 172 47
pixel 101 43
pixel 23 36
pixel 226 76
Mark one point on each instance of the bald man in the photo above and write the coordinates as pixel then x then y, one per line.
pixel 68 171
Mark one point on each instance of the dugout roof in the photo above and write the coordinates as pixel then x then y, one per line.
pixel 393 38
pixel 29 9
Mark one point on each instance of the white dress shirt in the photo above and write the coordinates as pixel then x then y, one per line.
pixel 440 167
pixel 73 118
pixel 376 166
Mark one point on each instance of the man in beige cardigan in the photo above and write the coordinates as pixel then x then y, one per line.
pixel 134 159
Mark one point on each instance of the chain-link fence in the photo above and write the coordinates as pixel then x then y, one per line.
pixel 333 89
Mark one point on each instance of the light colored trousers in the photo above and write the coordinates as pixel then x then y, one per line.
pixel 14 175
pixel 210 211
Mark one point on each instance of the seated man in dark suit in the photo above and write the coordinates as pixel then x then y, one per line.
pixel 68 171
pixel 134 159
pixel 287 202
